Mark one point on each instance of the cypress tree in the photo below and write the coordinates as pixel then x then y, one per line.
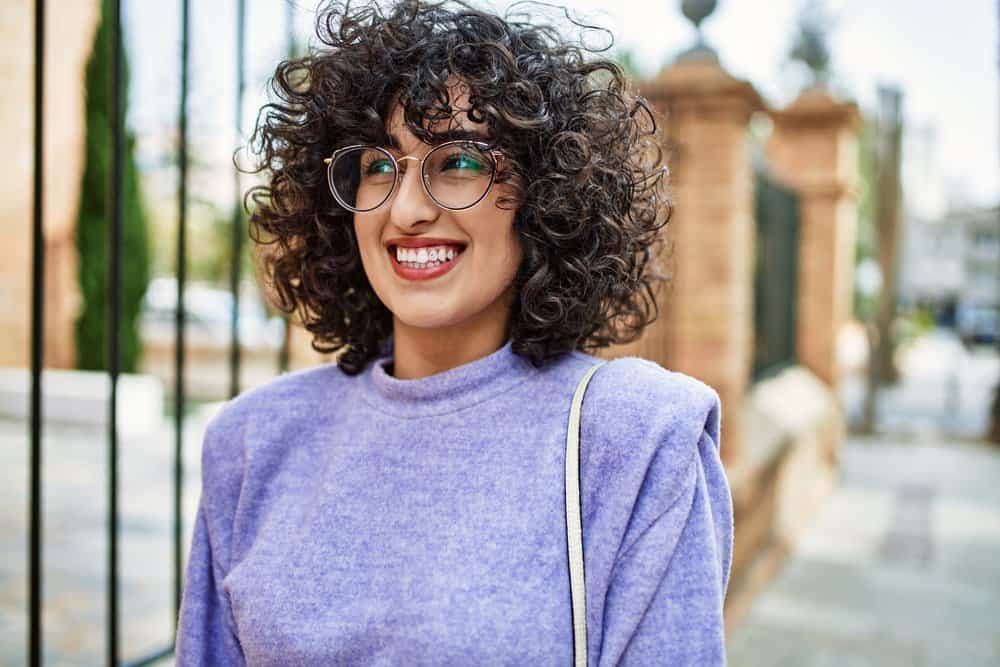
pixel 94 219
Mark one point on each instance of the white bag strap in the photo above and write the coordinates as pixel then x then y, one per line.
pixel 574 527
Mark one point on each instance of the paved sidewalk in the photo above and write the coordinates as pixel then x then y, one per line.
pixel 75 548
pixel 901 566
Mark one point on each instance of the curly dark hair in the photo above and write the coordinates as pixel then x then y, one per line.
pixel 593 201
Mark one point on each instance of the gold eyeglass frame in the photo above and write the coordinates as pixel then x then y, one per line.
pixel 496 155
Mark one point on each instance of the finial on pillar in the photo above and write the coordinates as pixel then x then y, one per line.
pixel 697 11
pixel 811 46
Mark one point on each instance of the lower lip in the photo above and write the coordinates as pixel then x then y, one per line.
pixel 422 274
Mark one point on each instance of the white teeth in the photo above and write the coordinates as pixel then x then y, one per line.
pixel 423 256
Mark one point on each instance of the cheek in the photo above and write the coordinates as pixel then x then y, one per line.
pixel 511 239
pixel 506 254
pixel 514 253
pixel 364 232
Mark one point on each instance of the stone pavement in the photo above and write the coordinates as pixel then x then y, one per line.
pixel 901 566
pixel 75 549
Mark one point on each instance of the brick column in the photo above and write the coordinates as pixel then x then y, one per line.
pixel 706 323
pixel 69 38
pixel 813 148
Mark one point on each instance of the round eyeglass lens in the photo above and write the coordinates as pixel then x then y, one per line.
pixel 458 175
pixel 362 178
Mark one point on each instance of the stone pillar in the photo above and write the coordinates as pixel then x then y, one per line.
pixel 706 323
pixel 813 148
pixel 69 37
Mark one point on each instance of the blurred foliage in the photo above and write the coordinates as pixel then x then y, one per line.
pixel 94 218
pixel 627 60
pixel 923 320
pixel 209 244
pixel 210 256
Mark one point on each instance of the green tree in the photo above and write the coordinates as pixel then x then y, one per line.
pixel 94 219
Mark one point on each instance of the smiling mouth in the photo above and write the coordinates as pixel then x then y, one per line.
pixel 431 264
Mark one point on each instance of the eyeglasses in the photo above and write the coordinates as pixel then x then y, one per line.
pixel 455 174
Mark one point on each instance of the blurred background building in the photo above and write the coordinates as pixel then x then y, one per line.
pixel 963 288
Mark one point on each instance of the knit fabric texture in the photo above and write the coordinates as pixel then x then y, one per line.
pixel 371 520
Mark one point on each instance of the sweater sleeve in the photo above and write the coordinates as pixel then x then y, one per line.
pixel 665 598
pixel 206 629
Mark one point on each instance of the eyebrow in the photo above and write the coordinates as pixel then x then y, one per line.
pixel 453 134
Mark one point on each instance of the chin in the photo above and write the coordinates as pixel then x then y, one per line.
pixel 427 318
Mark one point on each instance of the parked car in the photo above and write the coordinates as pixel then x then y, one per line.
pixel 978 324
pixel 208 316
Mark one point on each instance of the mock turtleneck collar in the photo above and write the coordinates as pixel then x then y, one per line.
pixel 447 391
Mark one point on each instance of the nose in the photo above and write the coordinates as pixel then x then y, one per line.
pixel 411 204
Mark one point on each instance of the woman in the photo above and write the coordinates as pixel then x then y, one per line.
pixel 460 204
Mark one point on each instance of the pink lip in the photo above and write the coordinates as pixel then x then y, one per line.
pixel 422 274
pixel 422 241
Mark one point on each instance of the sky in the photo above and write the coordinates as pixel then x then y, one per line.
pixel 943 55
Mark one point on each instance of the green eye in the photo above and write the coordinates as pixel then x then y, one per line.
pixel 463 161
pixel 378 167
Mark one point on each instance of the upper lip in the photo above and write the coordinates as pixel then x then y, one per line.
pixel 421 242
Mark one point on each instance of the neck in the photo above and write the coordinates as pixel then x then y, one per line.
pixel 419 352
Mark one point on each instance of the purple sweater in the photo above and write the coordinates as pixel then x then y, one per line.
pixel 369 520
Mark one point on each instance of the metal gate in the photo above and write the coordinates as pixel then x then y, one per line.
pixel 775 276
pixel 35 555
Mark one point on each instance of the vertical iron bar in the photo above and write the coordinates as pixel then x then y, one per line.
pixel 234 282
pixel 286 338
pixel 37 334
pixel 114 303
pixel 290 28
pixel 182 196
pixel 993 430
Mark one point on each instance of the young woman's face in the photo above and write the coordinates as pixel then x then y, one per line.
pixel 472 289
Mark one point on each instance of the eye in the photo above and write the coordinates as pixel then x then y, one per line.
pixel 378 166
pixel 464 161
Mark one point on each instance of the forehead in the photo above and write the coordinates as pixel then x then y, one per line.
pixel 458 126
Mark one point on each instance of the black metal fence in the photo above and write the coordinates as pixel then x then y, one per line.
pixel 36 514
pixel 775 314
pixel 775 276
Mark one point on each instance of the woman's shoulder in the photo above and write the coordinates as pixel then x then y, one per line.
pixel 645 392
pixel 636 413
pixel 645 432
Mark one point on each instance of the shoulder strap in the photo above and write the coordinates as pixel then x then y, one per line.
pixel 574 528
